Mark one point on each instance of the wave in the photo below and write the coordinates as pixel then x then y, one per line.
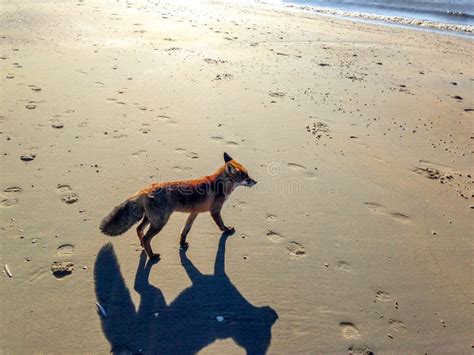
pixel 416 20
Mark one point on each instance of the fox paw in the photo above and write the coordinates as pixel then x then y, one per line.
pixel 155 257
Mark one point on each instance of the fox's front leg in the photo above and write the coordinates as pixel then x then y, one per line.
pixel 216 216
pixel 189 222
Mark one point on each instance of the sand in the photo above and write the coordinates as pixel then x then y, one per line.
pixel 357 238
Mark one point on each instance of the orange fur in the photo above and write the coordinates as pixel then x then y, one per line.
pixel 158 201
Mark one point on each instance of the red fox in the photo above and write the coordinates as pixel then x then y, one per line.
pixel 157 202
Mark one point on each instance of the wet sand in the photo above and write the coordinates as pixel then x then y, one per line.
pixel 357 238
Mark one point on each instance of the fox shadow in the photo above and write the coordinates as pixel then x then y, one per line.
pixel 211 308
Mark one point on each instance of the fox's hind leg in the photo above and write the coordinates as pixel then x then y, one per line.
pixel 156 226
pixel 141 227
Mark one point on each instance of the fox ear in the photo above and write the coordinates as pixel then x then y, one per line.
pixel 227 157
pixel 230 169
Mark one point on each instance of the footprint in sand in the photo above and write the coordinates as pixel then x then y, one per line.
pixel 67 196
pixel 274 236
pixel 397 325
pixel 70 198
pixel 302 169
pixel 166 119
pixel 62 269
pixel 382 296
pixel 13 189
pixel 8 200
pixel 296 166
pixel 65 250
pixel 344 266
pixel 139 152
pixel 181 168
pixel 295 249
pixel 271 217
pixel 144 130
pixel 277 94
pixel 378 208
pixel 349 330
pixel 192 155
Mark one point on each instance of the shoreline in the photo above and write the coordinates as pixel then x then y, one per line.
pixel 407 22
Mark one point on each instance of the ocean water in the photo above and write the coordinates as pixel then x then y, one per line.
pixel 459 12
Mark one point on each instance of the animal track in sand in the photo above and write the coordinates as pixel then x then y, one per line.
pixel 190 155
pixel 65 250
pixel 359 349
pixel 318 129
pixel 349 330
pixel 303 169
pixel 224 76
pixel 13 189
pixel 460 182
pixel 214 61
pixel 275 237
pixel 9 200
pixel 166 119
pixel 139 152
pixel 271 217
pixel 67 196
pixel 277 94
pixel 382 296
pixel 344 266
pixel 220 139
pixel 181 168
pixel 397 325
pixel 62 269
pixel 295 249
pixel 378 208
pixel 70 198
pixel 297 166
pixel 63 188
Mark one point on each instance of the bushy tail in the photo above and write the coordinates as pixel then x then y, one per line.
pixel 121 218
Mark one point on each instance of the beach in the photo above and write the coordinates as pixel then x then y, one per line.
pixel 356 239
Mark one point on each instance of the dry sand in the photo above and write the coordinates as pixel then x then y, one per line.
pixel 358 235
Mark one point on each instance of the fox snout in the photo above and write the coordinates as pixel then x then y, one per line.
pixel 249 182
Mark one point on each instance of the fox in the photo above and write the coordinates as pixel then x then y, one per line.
pixel 154 205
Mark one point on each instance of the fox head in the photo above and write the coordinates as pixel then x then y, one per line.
pixel 237 172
